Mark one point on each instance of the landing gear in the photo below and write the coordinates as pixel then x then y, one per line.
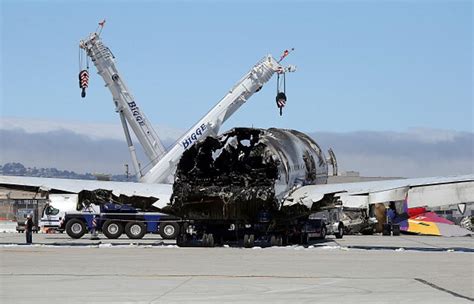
pixel 208 240
pixel 273 241
pixel 182 240
pixel 276 241
pixel 249 240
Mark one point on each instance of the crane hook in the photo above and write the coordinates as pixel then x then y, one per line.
pixel 83 82
pixel 281 96
pixel 281 101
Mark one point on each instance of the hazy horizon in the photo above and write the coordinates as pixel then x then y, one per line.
pixel 82 147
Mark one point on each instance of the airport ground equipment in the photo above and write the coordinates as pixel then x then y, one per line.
pixel 55 210
pixel 325 222
pixel 164 163
pixel 115 219
pixel 24 208
pixel 22 213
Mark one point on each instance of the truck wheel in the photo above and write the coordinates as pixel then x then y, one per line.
pixel 75 228
pixel 323 233
pixel 340 232
pixel 169 230
pixel 112 230
pixel 135 230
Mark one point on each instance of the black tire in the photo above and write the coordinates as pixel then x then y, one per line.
pixel 75 228
pixel 387 229
pixel 340 232
pixel 169 230
pixel 323 233
pixel 112 229
pixel 135 230
pixel 182 240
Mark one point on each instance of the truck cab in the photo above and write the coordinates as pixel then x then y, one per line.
pixel 55 210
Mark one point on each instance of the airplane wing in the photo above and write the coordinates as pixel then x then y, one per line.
pixel 162 192
pixel 429 192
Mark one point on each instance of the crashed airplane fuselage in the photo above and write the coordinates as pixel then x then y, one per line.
pixel 244 172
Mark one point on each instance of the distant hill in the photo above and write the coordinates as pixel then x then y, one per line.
pixel 18 169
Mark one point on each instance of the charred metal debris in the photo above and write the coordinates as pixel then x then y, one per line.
pixel 244 172
pixel 101 196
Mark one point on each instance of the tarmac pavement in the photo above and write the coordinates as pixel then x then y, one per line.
pixel 369 269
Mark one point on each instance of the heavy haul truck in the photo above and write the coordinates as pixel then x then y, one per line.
pixel 115 219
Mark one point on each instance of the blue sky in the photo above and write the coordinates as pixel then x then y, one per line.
pixel 370 65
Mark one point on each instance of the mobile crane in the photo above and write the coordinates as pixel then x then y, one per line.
pixel 125 104
pixel 164 163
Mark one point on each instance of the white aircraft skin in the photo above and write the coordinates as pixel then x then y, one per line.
pixel 162 192
pixel 421 192
pixel 430 191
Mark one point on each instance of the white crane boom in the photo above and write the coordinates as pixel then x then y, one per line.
pixel 125 104
pixel 164 164
pixel 209 125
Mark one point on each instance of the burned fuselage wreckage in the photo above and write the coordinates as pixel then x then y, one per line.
pixel 243 175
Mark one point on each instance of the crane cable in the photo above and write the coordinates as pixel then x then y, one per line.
pixel 281 94
pixel 84 73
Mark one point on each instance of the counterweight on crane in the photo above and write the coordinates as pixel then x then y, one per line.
pixel 164 164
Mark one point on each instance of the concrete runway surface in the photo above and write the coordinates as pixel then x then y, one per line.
pixel 356 269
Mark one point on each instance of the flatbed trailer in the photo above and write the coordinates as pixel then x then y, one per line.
pixel 115 219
